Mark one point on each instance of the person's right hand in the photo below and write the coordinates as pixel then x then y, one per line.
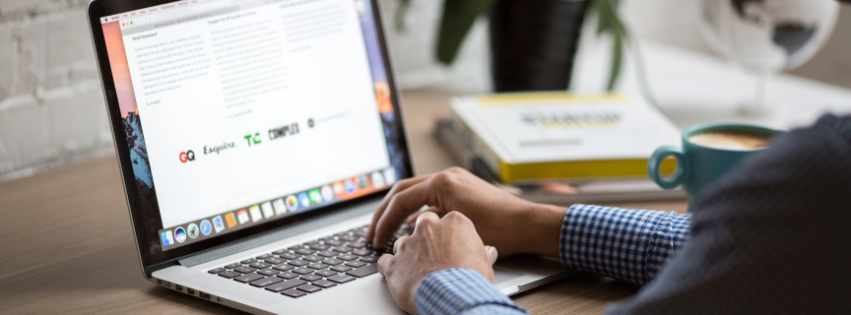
pixel 510 224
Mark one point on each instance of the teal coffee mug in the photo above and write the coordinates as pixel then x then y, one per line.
pixel 698 165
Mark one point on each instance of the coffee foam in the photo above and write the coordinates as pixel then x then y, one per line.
pixel 729 141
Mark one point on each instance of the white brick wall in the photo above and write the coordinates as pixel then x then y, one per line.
pixel 51 105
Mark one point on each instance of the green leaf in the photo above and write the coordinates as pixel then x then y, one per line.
pixel 617 58
pixel 458 18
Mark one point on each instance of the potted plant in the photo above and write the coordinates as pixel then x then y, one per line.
pixel 533 42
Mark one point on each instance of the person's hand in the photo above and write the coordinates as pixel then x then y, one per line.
pixel 436 244
pixel 511 224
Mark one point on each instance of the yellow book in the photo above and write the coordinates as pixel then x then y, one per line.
pixel 548 136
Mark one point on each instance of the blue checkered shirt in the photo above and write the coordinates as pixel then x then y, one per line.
pixel 629 245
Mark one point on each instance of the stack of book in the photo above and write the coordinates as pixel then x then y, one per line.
pixel 559 147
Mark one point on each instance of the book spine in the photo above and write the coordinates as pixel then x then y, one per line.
pixel 474 143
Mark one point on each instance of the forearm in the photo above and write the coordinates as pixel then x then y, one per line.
pixel 628 245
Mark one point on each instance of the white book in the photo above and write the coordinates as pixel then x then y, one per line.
pixel 533 136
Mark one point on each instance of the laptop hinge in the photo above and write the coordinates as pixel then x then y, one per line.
pixel 278 234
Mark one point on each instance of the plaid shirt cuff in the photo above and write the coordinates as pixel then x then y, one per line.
pixel 628 245
pixel 462 291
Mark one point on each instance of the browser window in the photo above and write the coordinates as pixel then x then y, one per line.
pixel 240 112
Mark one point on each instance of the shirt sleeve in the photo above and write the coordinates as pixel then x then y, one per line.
pixel 625 244
pixel 462 291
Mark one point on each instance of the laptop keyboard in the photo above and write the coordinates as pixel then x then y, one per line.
pixel 312 266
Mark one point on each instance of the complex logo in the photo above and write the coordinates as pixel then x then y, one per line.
pixel 187 156
pixel 284 131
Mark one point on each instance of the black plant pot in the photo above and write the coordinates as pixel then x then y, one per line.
pixel 533 43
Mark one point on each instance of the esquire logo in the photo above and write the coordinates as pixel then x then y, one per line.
pixel 210 149
pixel 187 156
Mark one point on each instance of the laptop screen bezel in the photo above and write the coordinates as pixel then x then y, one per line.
pixel 98 9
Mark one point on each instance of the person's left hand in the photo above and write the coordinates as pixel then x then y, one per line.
pixel 436 244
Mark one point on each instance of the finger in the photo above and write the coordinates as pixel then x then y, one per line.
pixel 398 243
pixel 425 216
pixel 400 206
pixel 413 218
pixel 493 254
pixel 398 187
pixel 384 263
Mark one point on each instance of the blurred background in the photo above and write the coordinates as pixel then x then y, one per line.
pixel 51 103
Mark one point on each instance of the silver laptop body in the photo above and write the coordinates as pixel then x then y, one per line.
pixel 255 138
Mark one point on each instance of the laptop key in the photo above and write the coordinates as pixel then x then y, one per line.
pixel 355 264
pixel 283 267
pixel 293 248
pixel 319 246
pixel 332 261
pixel 341 268
pixel 294 293
pixel 265 282
pixel 275 260
pixel 298 262
pixel 248 277
pixel 290 256
pixel 341 278
pixel 369 259
pixel 268 272
pixel 217 271
pixel 233 265
pixel 230 274
pixel 313 242
pixel 260 265
pixel 264 256
pixel 287 275
pixel 312 258
pixel 280 252
pixel 248 261
pixel 356 244
pixel 347 257
pixel 324 283
pixel 281 286
pixel 362 252
pixel 363 271
pixel 326 273
pixel 245 269
pixel 302 271
pixel 342 249
pixel 328 253
pixel 310 277
pixel 348 238
pixel 334 242
pixel 317 266
pixel 309 288
pixel 304 251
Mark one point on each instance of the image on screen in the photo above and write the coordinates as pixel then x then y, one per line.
pixel 238 114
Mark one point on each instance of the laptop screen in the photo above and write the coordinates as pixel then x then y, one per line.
pixel 240 113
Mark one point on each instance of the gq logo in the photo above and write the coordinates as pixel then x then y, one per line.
pixel 187 156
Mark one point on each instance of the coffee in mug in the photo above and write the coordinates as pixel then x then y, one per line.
pixel 707 152
pixel 730 141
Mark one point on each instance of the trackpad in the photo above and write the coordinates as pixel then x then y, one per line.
pixel 501 275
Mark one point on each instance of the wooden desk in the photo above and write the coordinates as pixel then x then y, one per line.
pixel 66 245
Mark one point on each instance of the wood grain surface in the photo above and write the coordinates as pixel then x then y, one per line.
pixel 66 244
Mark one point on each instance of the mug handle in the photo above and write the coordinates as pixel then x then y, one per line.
pixel 654 164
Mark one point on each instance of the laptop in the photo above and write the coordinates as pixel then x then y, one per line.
pixel 255 138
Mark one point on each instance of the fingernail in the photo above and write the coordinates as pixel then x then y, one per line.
pixel 491 253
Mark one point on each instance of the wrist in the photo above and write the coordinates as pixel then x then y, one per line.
pixel 541 231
